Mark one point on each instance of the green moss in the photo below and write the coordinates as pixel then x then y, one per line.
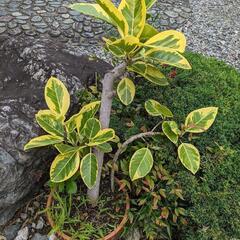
pixel 213 195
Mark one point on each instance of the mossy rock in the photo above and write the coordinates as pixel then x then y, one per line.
pixel 213 195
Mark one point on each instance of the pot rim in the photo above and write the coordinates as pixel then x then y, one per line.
pixel 111 235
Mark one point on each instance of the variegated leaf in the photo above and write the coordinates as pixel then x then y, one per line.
pixel 51 123
pixel 64 166
pixel 149 3
pixel 150 72
pixel 57 96
pixel 91 128
pixel 140 164
pixel 154 108
pixel 89 170
pixel 94 10
pixel 168 39
pixel 168 56
pixel 126 91
pixel 189 156
pixel 88 111
pixel 65 148
pixel 122 47
pixel 105 147
pixel 135 13
pixel 170 129
pixel 43 141
pixel 200 120
pixel 103 136
pixel 148 32
pixel 115 15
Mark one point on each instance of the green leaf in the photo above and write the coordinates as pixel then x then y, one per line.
pixel 71 187
pixel 200 120
pixel 64 166
pixel 93 10
pixel 154 108
pixel 167 56
pixel 189 156
pixel 135 12
pixel 126 91
pixel 51 123
pixel 43 141
pixel 170 129
pixel 91 128
pixel 57 96
pixel 89 170
pixel 150 72
pixel 105 147
pixel 140 164
pixel 115 15
pixel 103 136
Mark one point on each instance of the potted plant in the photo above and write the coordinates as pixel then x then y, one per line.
pixel 82 140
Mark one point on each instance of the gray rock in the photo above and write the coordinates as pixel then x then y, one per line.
pixel 38 236
pixel 40 224
pixel 27 64
pixel 22 234
pixel 10 232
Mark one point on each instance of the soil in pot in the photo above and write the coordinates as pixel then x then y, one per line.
pixel 75 217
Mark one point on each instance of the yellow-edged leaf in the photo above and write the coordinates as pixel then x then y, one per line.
pixel 57 96
pixel 168 39
pixel 149 3
pixel 140 164
pixel 154 108
pixel 189 156
pixel 201 119
pixel 148 32
pixel 94 10
pixel 168 56
pixel 51 123
pixel 91 128
pixel 43 141
pixel 122 47
pixel 103 136
pixel 78 120
pixel 89 170
pixel 135 13
pixel 64 166
pixel 65 148
pixel 115 15
pixel 170 129
pixel 126 91
pixel 150 72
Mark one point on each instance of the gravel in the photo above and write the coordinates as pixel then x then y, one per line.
pixel 214 29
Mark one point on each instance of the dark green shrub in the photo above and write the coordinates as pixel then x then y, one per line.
pixel 213 195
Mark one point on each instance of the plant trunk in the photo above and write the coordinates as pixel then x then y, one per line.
pixel 105 113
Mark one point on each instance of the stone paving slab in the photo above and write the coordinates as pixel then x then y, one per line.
pixel 53 19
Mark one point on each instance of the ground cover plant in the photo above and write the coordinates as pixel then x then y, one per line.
pixel 82 140
pixel 211 198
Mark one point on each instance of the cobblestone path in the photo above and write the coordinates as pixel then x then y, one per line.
pixel 52 18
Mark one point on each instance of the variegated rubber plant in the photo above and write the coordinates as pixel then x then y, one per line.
pixel 143 50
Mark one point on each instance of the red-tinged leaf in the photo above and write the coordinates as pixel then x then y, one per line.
pixel 164 213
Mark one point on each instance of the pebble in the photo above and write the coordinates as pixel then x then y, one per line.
pixel 38 236
pixel 2 30
pixel 22 234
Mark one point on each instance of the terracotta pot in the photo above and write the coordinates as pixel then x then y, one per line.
pixel 111 236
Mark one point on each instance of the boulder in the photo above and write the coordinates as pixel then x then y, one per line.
pixel 25 66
